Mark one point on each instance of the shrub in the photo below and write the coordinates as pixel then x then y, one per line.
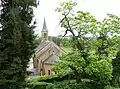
pixel 65 85
pixel 39 85
pixel 57 85
pixel 110 87
pixel 68 85
pixel 52 78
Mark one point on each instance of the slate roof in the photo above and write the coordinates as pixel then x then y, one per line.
pixel 46 46
pixel 52 59
pixel 42 45
pixel 44 29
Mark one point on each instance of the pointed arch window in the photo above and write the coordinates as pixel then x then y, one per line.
pixel 48 72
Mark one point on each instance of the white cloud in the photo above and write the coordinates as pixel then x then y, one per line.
pixel 99 8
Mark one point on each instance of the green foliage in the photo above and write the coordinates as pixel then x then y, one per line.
pixel 95 44
pixel 16 41
pixel 42 78
pixel 39 85
pixel 68 61
pixel 56 40
pixel 69 85
pixel 99 69
pixel 36 82
pixel 74 63
pixel 37 41
pixel 65 7
pixel 116 70
pixel 66 85
pixel 53 78
pixel 55 85
pixel 66 42
pixel 110 87
pixel 67 49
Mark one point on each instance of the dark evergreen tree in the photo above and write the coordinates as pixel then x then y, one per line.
pixel 16 41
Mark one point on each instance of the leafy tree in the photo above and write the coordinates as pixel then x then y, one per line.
pixel 66 41
pixel 17 41
pixel 56 40
pixel 37 41
pixel 116 70
pixel 94 45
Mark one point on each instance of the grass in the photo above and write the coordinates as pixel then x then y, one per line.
pixel 67 49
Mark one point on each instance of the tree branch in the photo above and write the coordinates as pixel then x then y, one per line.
pixel 68 27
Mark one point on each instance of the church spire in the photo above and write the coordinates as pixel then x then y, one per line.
pixel 44 29
pixel 44 32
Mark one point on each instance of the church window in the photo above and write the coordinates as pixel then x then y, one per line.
pixel 45 35
pixel 48 72
pixel 41 69
pixel 53 52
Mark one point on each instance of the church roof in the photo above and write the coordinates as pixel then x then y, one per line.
pixel 44 29
pixel 45 46
pixel 52 59
pixel 42 45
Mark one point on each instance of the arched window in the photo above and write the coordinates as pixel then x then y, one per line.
pixel 55 72
pixel 53 52
pixel 48 72
pixel 45 35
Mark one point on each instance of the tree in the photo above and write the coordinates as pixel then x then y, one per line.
pixel 17 41
pixel 116 70
pixel 94 45
pixel 66 42
pixel 37 41
pixel 56 40
pixel 116 64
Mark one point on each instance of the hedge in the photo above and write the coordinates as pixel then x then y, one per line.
pixel 64 85
pixel 39 85
pixel 61 82
pixel 52 78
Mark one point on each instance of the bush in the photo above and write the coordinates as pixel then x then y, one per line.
pixel 52 78
pixel 110 87
pixel 39 85
pixel 65 85
pixel 54 82
pixel 69 85
pixel 57 85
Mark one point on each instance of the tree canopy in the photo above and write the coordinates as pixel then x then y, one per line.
pixel 95 44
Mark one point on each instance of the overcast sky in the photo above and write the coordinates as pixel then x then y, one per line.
pixel 46 8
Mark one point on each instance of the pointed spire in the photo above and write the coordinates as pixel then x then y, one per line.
pixel 44 26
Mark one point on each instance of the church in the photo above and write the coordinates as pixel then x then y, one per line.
pixel 46 54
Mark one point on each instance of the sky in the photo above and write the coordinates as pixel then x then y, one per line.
pixel 46 8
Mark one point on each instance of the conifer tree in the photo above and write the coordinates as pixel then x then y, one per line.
pixel 16 41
